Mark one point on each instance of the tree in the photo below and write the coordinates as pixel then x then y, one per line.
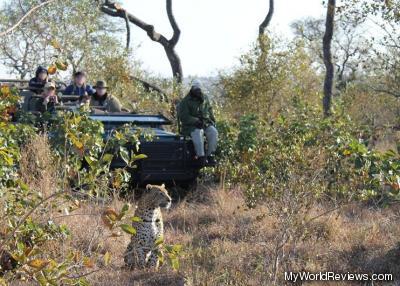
pixel 18 54
pixel 384 75
pixel 60 32
pixel 327 53
pixel 386 70
pixel 115 10
pixel 350 47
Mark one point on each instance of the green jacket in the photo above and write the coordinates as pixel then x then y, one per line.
pixel 191 110
pixel 111 103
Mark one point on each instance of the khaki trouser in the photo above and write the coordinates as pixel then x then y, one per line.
pixel 211 134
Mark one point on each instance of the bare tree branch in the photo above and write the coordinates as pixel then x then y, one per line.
pixel 27 14
pixel 177 32
pixel 115 10
pixel 151 87
pixel 383 90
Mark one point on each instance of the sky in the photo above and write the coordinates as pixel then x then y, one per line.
pixel 214 32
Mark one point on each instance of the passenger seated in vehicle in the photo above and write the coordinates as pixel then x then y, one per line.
pixel 197 119
pixel 37 83
pixel 79 86
pixel 101 98
pixel 48 100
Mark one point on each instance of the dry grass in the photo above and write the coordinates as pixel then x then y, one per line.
pixel 37 166
pixel 228 244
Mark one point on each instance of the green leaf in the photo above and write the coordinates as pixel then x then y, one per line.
pixel 175 264
pixel 128 229
pixel 124 155
pixel 90 160
pixel 107 158
pixel 159 241
pixel 124 210
pixel 136 219
pixel 138 157
pixel 177 248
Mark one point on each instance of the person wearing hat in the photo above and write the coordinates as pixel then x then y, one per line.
pixel 197 120
pixel 79 86
pixel 48 99
pixel 101 98
pixel 37 83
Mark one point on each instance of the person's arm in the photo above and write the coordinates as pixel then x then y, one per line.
pixel 32 82
pixel 211 112
pixel 184 114
pixel 114 105
pixel 90 90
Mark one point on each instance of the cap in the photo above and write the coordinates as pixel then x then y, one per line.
pixel 50 85
pixel 196 84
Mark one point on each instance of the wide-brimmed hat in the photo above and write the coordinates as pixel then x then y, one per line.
pixel 101 84
pixel 50 85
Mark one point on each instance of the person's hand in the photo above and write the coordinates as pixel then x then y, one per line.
pixel 199 124
pixel 46 99
pixel 50 98
pixel 85 98
pixel 54 99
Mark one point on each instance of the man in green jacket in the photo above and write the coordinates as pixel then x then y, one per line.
pixel 101 98
pixel 197 120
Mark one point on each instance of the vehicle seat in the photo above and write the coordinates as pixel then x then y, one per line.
pixel 29 103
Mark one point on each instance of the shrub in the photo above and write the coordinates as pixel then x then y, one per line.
pixel 332 153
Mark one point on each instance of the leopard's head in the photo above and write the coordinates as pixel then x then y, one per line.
pixel 156 196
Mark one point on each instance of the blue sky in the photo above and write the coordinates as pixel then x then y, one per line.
pixel 214 32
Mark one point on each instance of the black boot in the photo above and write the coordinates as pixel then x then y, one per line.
pixel 211 162
pixel 200 162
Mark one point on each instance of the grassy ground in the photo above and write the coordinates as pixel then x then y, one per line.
pixel 227 244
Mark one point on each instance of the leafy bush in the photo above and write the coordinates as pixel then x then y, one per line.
pixel 273 135
pixel 332 153
pixel 266 82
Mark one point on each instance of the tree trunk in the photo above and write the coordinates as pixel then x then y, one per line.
pixel 327 40
pixel 263 26
pixel 267 20
pixel 175 63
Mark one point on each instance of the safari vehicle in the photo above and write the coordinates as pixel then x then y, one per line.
pixel 170 157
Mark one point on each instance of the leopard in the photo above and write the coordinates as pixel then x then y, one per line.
pixel 143 250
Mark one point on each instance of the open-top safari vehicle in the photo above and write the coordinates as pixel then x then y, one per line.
pixel 170 157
